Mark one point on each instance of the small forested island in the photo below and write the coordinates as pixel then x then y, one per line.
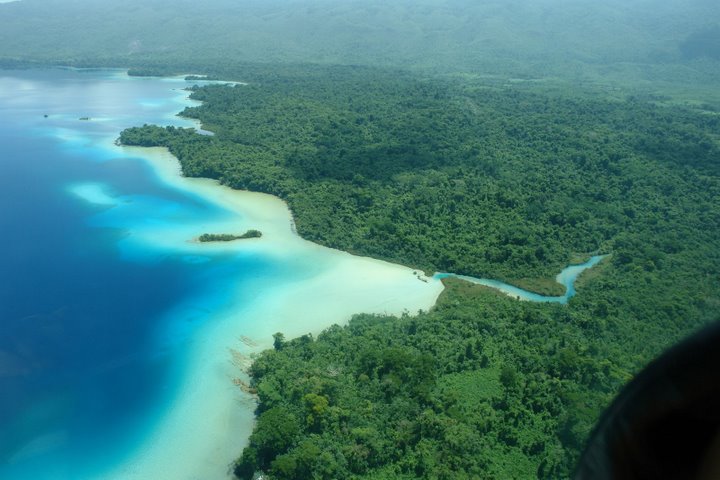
pixel 228 237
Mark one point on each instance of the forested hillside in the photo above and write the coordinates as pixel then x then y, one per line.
pixel 640 44
pixel 472 178
pixel 480 387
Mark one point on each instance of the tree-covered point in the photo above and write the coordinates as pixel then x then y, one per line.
pixel 453 176
pixel 228 237
pixel 482 386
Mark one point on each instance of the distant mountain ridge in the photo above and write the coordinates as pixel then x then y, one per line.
pixel 521 37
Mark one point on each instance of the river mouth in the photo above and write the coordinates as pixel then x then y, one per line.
pixel 566 278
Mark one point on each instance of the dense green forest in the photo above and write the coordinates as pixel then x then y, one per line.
pixel 475 178
pixel 473 389
pixel 455 176
pixel 497 138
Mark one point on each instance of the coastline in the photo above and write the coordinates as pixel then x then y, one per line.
pixel 207 366
pixel 211 417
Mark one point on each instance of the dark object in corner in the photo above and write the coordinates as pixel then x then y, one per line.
pixel 665 424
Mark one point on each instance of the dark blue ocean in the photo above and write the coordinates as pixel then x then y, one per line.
pixel 82 372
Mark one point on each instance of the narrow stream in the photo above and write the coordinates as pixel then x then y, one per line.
pixel 565 278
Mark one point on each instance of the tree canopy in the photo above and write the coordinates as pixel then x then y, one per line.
pixel 470 177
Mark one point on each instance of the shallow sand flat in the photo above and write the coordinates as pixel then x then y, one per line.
pixel 94 193
pixel 211 418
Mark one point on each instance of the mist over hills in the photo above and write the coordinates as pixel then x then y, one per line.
pixel 564 38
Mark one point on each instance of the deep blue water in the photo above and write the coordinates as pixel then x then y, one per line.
pixel 81 371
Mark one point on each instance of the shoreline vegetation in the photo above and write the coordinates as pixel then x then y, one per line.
pixel 399 143
pixel 568 175
pixel 228 237
pixel 338 286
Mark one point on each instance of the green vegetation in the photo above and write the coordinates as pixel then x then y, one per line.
pixel 228 237
pixel 469 177
pixel 543 286
pixel 453 176
pixel 532 42
pixel 519 137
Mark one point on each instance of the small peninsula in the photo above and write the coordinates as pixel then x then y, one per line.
pixel 228 237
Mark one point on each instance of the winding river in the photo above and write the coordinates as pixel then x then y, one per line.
pixel 566 278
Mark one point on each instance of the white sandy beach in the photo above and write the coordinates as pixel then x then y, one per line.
pixel 211 419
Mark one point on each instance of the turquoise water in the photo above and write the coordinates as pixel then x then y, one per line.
pixel 566 278
pixel 85 366
pixel 120 336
